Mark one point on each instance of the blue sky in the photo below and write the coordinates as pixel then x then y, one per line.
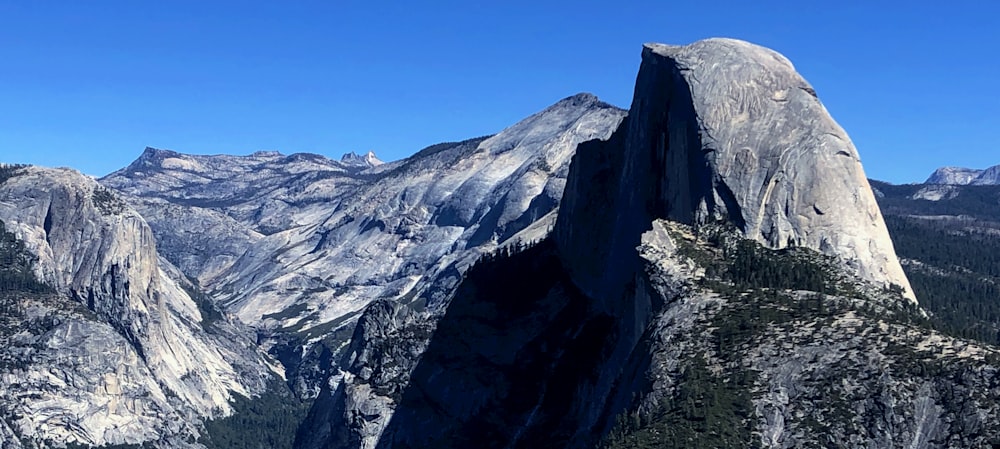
pixel 90 84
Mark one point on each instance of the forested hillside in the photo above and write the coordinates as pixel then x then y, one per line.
pixel 950 249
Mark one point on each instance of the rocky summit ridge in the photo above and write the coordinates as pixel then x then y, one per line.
pixel 366 160
pixel 965 176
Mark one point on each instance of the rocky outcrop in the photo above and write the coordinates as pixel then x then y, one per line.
pixel 936 192
pixel 120 352
pixel 724 130
pixel 368 160
pixel 357 402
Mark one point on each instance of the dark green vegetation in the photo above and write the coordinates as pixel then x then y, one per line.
pixel 979 202
pixel 210 313
pixel 752 266
pixel 8 171
pixel 951 253
pixel 706 411
pixel 956 276
pixel 107 202
pixel 748 265
pixel 733 264
pixel 17 265
pixel 112 446
pixel 265 422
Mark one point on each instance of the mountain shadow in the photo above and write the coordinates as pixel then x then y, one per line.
pixel 515 362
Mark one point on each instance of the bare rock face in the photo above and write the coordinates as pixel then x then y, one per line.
pixel 965 176
pixel 953 175
pixel 989 177
pixel 936 192
pixel 368 160
pixel 120 353
pixel 298 246
pixel 446 206
pixel 726 130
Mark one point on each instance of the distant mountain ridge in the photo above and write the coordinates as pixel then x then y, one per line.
pixel 965 176
pixel 366 160
pixel 948 237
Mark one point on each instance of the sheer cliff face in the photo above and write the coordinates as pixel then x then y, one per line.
pixel 726 130
pixel 545 347
pixel 122 346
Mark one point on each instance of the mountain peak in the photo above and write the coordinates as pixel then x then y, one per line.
pixel 953 175
pixel 151 153
pixel 965 176
pixel 152 157
pixel 582 97
pixel 581 100
pixel 357 160
pixel 990 176
pixel 706 140
pixel 267 154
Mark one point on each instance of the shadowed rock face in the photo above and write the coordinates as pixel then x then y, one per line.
pixel 725 130
pixel 484 194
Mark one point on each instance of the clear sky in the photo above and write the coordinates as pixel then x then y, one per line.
pixel 89 84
